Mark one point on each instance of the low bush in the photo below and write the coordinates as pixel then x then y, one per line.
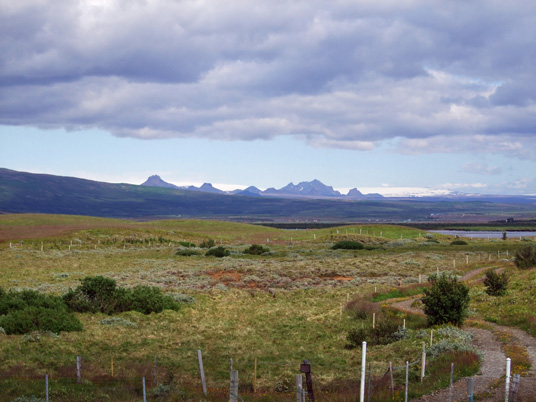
pixel 525 257
pixel 28 310
pixel 100 294
pixel 218 252
pixel 458 242
pixel 256 249
pixel 187 244
pixel 186 252
pixel 360 308
pixel 348 245
pixel 496 284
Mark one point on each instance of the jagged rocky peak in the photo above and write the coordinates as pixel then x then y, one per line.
pixel 156 181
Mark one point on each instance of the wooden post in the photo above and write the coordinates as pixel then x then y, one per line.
pixel 363 369
pixel 431 337
pixel 202 371
pixel 420 278
pixel 255 377
pixel 305 368
pixel 373 320
pixel 155 378
pixel 392 379
pixel 423 368
pixel 507 386
pixel 46 386
pixel 404 325
pixel 470 389
pixel 407 382
pixel 454 263
pixel 451 381
pixel 112 365
pixel 144 393
pixel 78 369
pixel 233 388
pixel 300 397
pixel 467 259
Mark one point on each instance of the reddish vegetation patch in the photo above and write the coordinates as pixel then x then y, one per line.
pixel 235 276
pixel 341 278
pixel 15 233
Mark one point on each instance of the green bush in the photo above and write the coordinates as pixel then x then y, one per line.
pixel 100 294
pixel 28 310
pixel 187 244
pixel 525 257
pixel 96 294
pixel 185 252
pixel 446 300
pixel 218 252
pixel 149 299
pixel 348 245
pixel 458 243
pixel 496 284
pixel 256 249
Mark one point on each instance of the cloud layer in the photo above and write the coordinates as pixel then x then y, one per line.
pixel 436 76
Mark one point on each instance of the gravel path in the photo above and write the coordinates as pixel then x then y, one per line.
pixel 489 382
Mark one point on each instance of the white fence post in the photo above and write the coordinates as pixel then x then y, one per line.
pixel 202 371
pixel 507 389
pixel 363 369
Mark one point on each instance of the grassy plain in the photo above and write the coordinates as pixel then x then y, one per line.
pixel 279 308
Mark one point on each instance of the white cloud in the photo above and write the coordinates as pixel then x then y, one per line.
pixel 438 76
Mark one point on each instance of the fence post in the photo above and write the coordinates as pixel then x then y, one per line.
pixel 363 368
pixel 306 369
pixel 470 389
pixel 144 394
pixel 392 379
pixel 112 365
pixel 423 368
pixel 507 387
pixel 46 386
pixel 451 380
pixel 299 388
pixel 78 369
pixel 233 388
pixel 202 371
pixel 255 377
pixel 407 382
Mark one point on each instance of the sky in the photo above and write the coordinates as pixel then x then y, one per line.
pixel 395 97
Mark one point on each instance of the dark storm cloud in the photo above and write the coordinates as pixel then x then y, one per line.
pixel 439 76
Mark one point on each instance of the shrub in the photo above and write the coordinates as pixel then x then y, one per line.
pixel 496 284
pixel 185 252
pixel 186 244
pixel 100 294
pixel 218 252
pixel 360 308
pixel 117 322
pixel 29 310
pixel 149 299
pixel 446 300
pixel 256 249
pixel 348 245
pixel 526 257
pixel 458 242
pixel 96 294
pixel 39 319
pixel 207 243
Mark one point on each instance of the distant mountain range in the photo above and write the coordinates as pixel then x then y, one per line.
pixel 312 189
pixel 22 192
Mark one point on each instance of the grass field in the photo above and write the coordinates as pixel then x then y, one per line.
pixel 278 308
